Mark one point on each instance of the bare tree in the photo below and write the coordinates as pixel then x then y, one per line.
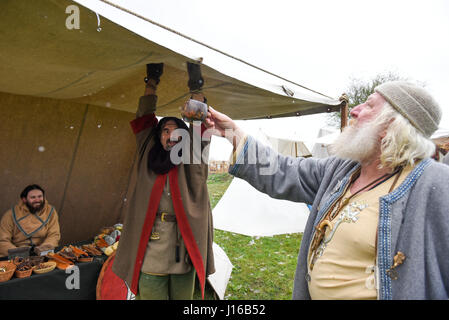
pixel 359 90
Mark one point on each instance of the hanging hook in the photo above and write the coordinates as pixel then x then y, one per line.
pixel 98 22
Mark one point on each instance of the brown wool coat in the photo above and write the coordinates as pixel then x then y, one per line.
pixel 37 232
pixel 192 183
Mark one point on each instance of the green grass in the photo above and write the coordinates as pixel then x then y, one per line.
pixel 217 184
pixel 264 267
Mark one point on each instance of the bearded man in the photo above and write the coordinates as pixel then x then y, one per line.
pixel 379 223
pixel 33 222
pixel 167 235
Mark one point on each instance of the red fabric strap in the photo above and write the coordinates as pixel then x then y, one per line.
pixel 186 231
pixel 183 224
pixel 144 122
pixel 203 128
pixel 153 204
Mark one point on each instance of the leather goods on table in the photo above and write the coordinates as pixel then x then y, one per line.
pixel 61 262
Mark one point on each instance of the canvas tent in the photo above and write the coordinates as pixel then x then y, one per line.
pixel 290 147
pixel 298 134
pixel 243 209
pixel 441 138
pixel 319 149
pixel 220 278
pixel 67 96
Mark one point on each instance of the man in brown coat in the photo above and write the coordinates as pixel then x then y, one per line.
pixel 33 222
pixel 167 233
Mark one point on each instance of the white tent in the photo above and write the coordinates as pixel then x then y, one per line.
pixel 298 134
pixel 440 133
pixel 223 268
pixel 245 210
pixel 441 140
pixel 319 149
pixel 290 147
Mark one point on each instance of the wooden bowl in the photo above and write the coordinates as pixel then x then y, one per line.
pixel 48 266
pixel 8 272
pixel 23 274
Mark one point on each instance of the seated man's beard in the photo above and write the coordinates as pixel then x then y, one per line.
pixel 35 209
pixel 359 144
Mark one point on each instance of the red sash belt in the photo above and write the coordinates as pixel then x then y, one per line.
pixel 186 231
pixel 153 204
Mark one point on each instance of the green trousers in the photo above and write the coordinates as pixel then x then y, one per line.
pixel 167 287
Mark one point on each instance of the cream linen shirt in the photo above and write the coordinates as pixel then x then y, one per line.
pixel 345 267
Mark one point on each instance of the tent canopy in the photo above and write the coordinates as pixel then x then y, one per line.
pixel 42 57
pixel 245 210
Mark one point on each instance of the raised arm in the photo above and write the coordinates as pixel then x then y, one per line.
pixel 281 177
pixel 221 125
pixel 146 119
pixel 197 128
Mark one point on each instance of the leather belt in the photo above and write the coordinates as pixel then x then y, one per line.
pixel 164 216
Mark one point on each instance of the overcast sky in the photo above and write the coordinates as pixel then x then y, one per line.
pixel 321 44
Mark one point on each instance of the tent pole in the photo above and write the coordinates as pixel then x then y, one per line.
pixel 344 111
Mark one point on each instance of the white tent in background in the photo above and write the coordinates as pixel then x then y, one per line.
pixel 319 149
pixel 223 268
pixel 441 140
pixel 441 133
pixel 245 210
pixel 290 147
pixel 326 130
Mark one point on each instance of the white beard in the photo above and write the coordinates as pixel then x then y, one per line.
pixel 359 144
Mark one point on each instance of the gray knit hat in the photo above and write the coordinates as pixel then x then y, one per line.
pixel 414 103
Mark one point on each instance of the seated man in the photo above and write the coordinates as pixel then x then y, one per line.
pixel 32 222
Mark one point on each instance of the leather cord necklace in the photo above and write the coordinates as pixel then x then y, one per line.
pixel 344 201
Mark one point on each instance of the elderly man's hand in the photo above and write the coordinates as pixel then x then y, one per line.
pixel 219 122
pixel 221 125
